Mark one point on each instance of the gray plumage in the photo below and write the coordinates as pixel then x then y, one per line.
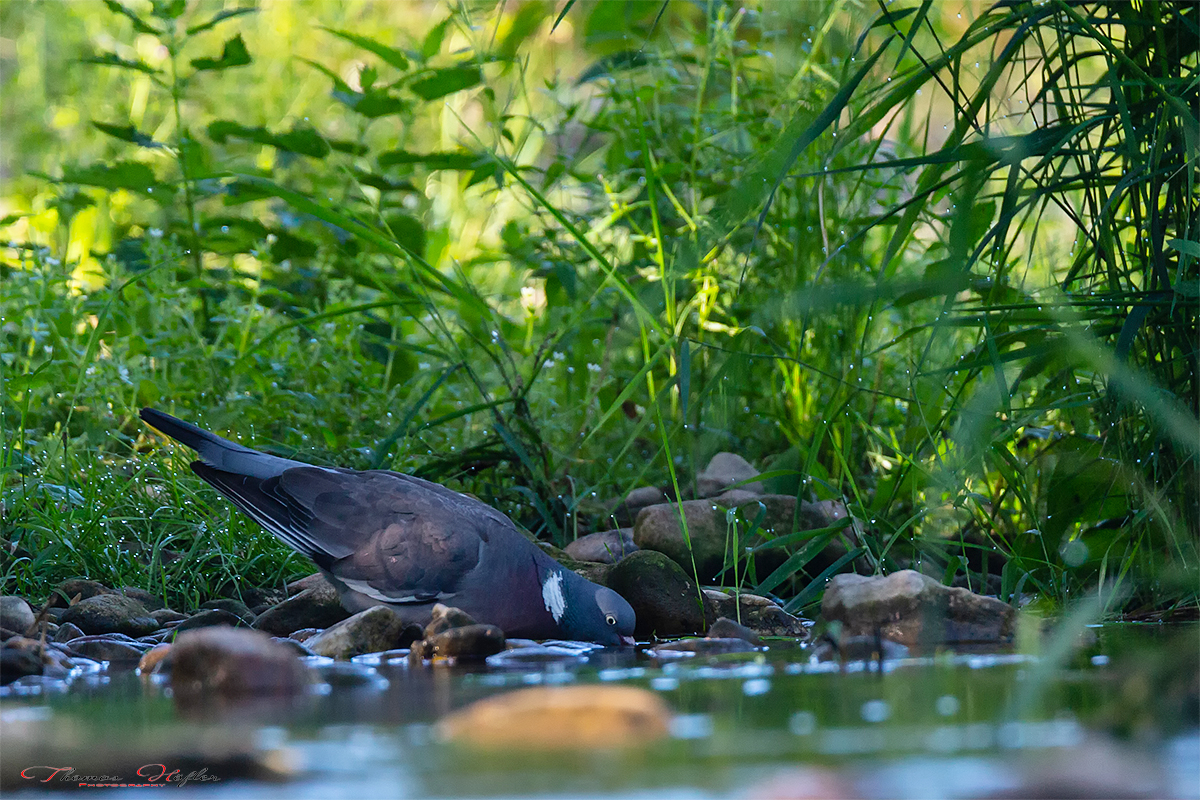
pixel 386 538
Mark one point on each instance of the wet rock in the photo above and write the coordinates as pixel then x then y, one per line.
pixel 154 660
pixel 624 511
pixel 469 643
pixel 259 600
pixel 858 648
pixel 664 598
pixel 110 613
pixel 444 617
pixel 233 664
pixel 725 628
pixel 318 606
pixel 561 718
pixel 17 661
pixel 61 595
pixel 165 616
pixel 535 658
pixel 66 632
pixel 914 610
pixel 708 646
pixel 378 628
pixel 760 614
pixel 15 614
pixel 107 647
pixel 150 601
pixel 724 470
pixel 606 547
pixel 210 617
pixel 235 607
pixel 349 675
pixel 296 646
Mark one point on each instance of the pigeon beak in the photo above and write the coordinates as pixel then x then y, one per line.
pixel 628 640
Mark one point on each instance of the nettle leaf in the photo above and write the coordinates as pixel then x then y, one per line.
pixel 371 104
pixel 234 54
pixel 114 60
pixel 390 55
pixel 126 133
pixel 461 160
pixel 442 82
pixel 301 139
pixel 131 175
pixel 140 25
pixel 219 18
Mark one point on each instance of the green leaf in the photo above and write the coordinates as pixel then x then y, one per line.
pixel 219 18
pixel 303 140
pixel 126 133
pixel 408 232
pixel 131 175
pixel 433 40
pixel 233 54
pixel 460 160
pixel 1184 246
pixel 527 19
pixel 168 9
pixel 442 82
pixel 371 104
pixel 140 25
pixel 114 60
pixel 390 55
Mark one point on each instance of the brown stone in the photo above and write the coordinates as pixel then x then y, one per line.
pixel 561 718
pixel 915 610
pixel 233 663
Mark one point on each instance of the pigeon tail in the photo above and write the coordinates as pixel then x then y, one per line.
pixel 216 451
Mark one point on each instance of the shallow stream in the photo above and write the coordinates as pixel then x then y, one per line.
pixel 772 724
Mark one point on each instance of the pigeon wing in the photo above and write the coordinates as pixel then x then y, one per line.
pixel 393 540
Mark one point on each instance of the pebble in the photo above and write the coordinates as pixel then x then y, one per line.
pixel 110 613
pixel 232 664
pixel 15 614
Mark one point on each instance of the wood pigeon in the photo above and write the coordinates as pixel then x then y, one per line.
pixel 386 538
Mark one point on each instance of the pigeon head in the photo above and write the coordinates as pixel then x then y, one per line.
pixel 587 612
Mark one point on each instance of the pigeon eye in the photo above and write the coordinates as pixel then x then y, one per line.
pixel 610 619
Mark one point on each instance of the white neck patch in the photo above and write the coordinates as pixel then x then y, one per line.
pixel 552 595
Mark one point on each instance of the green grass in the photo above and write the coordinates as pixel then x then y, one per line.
pixel 943 270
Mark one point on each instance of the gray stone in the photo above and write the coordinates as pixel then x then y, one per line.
pixel 210 617
pixel 914 610
pixel 166 616
pixel 371 631
pixel 15 614
pixel 235 607
pixel 724 470
pixel 760 614
pixel 66 632
pixel 725 628
pixel 107 647
pixel 314 581
pixel 150 601
pixel 65 592
pixel 233 664
pixel 317 606
pixel 593 571
pixel 606 547
pixel 664 598
pixel 110 613
pixel 18 662
pixel 625 510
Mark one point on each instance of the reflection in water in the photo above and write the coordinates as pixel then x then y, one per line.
pixel 745 724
